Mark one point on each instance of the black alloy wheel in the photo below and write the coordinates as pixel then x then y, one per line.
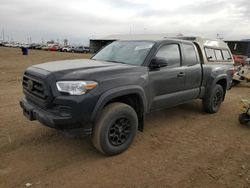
pixel 119 131
pixel 218 97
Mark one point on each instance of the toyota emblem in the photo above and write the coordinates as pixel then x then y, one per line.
pixel 30 85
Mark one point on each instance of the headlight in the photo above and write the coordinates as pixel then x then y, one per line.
pixel 75 87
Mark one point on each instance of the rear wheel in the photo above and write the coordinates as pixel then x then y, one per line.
pixel 116 128
pixel 214 99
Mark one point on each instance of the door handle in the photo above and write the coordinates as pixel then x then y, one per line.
pixel 181 74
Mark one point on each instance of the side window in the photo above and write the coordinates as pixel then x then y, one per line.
pixel 171 54
pixel 218 55
pixel 190 55
pixel 210 54
pixel 226 55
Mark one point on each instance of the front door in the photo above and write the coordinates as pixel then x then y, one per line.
pixel 167 83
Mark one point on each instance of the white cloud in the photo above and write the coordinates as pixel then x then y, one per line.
pixel 79 20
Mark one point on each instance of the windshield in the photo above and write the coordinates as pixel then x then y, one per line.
pixel 128 52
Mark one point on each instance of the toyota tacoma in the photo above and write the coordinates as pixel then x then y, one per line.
pixel 109 95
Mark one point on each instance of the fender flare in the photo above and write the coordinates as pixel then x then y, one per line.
pixel 118 92
pixel 213 82
pixel 221 77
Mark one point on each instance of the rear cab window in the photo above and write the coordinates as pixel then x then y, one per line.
pixel 214 55
pixel 218 55
pixel 226 55
pixel 210 54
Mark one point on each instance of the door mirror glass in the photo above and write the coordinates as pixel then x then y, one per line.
pixel 157 63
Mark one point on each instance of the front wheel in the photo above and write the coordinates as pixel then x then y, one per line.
pixel 116 128
pixel 214 99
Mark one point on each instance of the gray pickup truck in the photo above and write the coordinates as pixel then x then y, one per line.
pixel 109 95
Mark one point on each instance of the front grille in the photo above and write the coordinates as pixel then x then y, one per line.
pixel 35 89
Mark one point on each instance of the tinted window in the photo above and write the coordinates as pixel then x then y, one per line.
pixel 171 54
pixel 189 54
pixel 210 54
pixel 218 55
pixel 226 55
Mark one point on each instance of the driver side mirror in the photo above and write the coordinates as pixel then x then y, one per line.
pixel 157 63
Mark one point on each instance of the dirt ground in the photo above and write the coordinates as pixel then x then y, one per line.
pixel 180 147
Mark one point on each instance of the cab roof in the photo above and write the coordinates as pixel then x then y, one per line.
pixel 205 42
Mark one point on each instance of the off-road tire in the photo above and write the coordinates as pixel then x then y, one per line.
pixel 244 119
pixel 111 118
pixel 212 102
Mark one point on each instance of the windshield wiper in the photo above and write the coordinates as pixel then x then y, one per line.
pixel 115 61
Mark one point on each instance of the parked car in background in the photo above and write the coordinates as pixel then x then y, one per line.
pixel 240 50
pixel 67 48
pixel 6 44
pixel 33 45
pixel 239 59
pixel 87 48
pixel 45 47
pixel 54 47
pixel 40 46
pixel 25 45
pixel 17 45
pixel 3 43
pixel 60 48
pixel 80 49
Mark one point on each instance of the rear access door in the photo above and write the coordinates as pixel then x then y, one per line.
pixel 193 71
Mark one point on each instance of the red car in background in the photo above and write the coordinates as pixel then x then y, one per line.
pixel 240 50
pixel 239 59
pixel 54 47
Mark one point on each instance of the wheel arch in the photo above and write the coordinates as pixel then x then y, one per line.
pixel 221 80
pixel 131 95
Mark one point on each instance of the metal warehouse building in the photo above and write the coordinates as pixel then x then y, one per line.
pixel 239 47
pixel 97 44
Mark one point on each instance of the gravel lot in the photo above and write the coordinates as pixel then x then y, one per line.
pixel 180 147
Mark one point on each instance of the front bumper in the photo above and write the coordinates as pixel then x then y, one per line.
pixel 73 116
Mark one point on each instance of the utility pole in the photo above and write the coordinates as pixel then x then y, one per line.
pixel 3 34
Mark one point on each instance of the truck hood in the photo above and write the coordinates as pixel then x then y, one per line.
pixel 77 64
pixel 90 69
